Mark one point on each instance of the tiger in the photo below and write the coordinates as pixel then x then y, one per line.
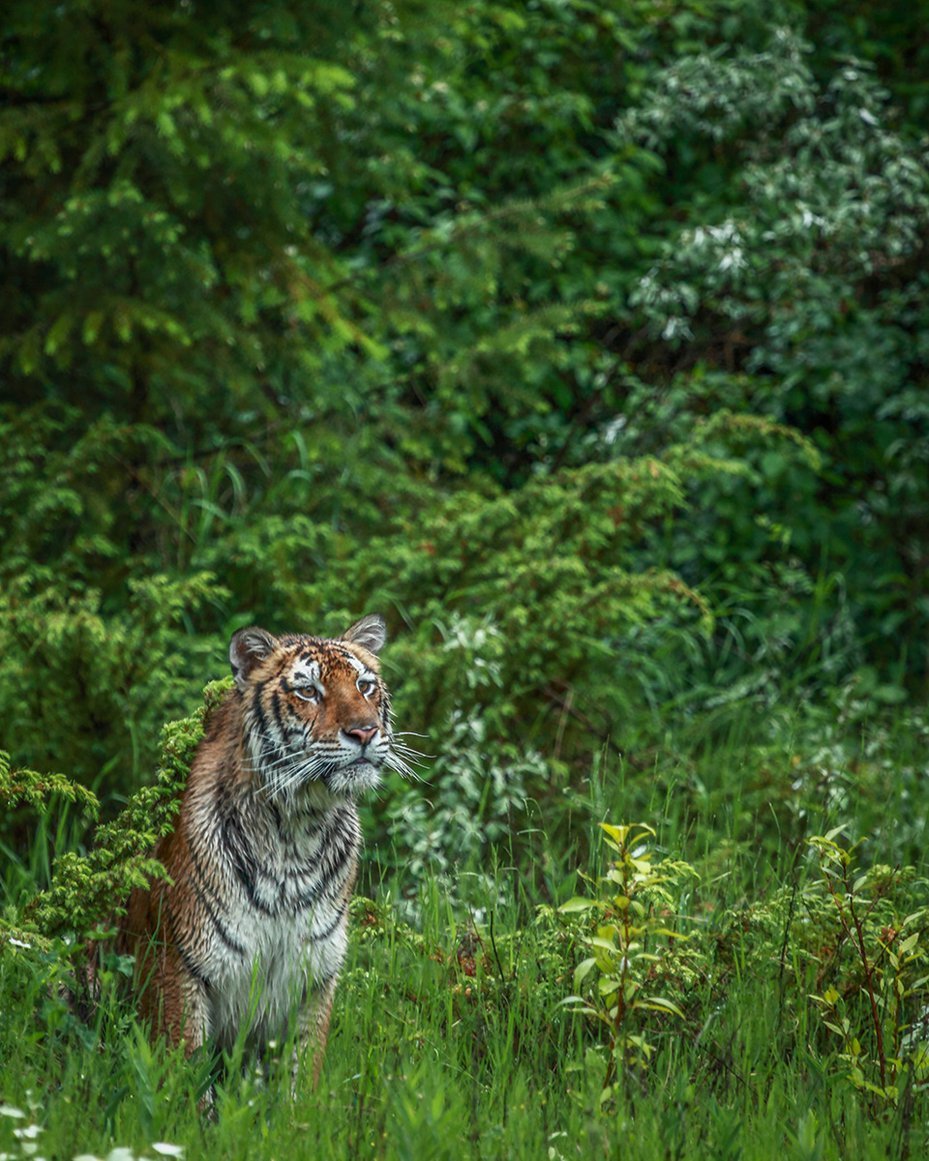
pixel 250 927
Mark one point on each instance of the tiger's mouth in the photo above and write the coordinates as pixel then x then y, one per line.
pixel 354 777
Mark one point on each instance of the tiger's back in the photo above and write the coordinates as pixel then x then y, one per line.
pixel 251 929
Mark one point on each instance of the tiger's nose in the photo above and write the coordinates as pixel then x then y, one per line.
pixel 362 734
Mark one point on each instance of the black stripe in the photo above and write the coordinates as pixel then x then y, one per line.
pixel 242 859
pixel 318 936
pixel 331 880
pixel 339 876
pixel 272 755
pixel 262 719
pixel 258 708
pixel 336 834
pixel 338 853
pixel 278 716
pixel 278 821
pixel 202 892
pixel 185 955
pixel 308 898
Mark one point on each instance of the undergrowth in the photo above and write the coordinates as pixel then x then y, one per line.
pixel 743 972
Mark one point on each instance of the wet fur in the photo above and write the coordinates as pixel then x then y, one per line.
pixel 250 931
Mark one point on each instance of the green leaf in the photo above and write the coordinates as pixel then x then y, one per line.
pixel 581 972
pixel 658 1004
pixel 575 905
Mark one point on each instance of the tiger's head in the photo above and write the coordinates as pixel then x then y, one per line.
pixel 316 712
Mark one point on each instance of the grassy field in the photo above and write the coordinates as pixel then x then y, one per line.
pixel 790 1022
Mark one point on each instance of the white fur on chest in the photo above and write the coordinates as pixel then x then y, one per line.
pixel 263 988
pixel 284 934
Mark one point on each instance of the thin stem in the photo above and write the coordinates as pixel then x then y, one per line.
pixel 869 981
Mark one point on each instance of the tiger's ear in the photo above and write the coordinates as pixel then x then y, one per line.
pixel 370 633
pixel 246 649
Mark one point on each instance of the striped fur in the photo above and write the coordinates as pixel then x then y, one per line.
pixel 251 929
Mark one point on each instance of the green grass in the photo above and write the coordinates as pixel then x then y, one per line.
pixel 450 1037
pixel 425 1062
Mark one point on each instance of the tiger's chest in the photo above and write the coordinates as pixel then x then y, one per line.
pixel 275 932
pixel 260 989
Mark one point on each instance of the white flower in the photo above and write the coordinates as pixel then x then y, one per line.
pixel 29 1133
pixel 167 1150
pixel 732 261
pixel 10 1111
pixel 19 943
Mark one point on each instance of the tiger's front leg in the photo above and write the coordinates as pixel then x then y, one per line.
pixel 175 1001
pixel 312 1032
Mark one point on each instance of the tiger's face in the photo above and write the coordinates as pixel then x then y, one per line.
pixel 316 712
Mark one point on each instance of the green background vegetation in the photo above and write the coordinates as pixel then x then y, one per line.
pixel 588 343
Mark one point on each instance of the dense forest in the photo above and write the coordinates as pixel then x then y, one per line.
pixel 587 341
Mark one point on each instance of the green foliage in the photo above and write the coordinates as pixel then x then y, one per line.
pixel 460 1018
pixel 28 786
pixel 477 784
pixel 635 906
pixel 884 1047
pixel 449 381
pixel 134 267
pixel 807 277
pixel 88 889
pixel 587 343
